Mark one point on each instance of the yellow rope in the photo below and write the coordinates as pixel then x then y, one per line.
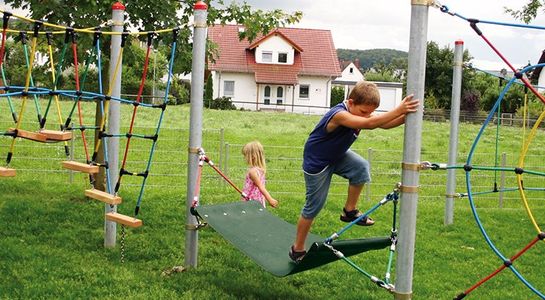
pixel 109 94
pixel 521 165
pixel 25 94
pixel 82 30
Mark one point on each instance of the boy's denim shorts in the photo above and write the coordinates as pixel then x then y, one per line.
pixel 351 166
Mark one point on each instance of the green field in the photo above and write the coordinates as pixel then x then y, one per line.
pixel 51 236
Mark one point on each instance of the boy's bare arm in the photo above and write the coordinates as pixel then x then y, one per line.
pixel 347 119
pixel 395 122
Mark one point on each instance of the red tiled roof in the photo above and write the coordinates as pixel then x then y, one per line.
pixel 318 57
pixel 275 32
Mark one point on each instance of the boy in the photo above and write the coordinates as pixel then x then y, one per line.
pixel 327 152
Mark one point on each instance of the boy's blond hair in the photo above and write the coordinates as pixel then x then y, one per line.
pixel 365 93
pixel 254 155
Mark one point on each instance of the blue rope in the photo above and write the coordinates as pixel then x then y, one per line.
pixel 158 128
pixel 105 142
pixel 445 9
pixel 469 189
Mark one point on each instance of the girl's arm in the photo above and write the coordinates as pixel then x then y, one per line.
pixel 254 176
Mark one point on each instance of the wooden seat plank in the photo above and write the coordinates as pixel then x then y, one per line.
pixel 7 172
pixel 56 135
pixel 29 135
pixel 80 167
pixel 103 196
pixel 123 219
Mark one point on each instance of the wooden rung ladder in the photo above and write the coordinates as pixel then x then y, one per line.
pixel 29 135
pixel 57 136
pixel 103 196
pixel 7 172
pixel 123 219
pixel 80 167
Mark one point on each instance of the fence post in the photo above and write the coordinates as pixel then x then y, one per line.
pixel 226 162
pixel 369 159
pixel 72 148
pixel 220 155
pixel 502 178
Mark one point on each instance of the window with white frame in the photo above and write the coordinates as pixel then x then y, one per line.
pixel 266 56
pixel 267 95
pixel 304 91
pixel 229 88
pixel 282 57
pixel 279 95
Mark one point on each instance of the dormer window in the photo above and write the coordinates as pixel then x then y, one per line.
pixel 282 57
pixel 266 56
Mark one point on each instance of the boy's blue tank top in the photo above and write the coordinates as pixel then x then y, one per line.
pixel 323 148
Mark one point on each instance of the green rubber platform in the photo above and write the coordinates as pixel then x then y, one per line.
pixel 266 239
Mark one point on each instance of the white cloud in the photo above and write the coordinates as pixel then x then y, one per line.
pixel 357 24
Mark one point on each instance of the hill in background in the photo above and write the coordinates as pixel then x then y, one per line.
pixel 369 58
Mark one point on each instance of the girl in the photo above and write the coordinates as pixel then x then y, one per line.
pixel 254 186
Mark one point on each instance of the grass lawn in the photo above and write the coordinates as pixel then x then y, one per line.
pixel 51 236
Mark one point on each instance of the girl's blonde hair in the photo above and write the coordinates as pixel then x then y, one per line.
pixel 253 153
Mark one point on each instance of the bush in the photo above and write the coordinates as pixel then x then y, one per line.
pixel 222 103
pixel 337 95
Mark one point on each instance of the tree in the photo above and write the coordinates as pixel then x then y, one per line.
pixel 337 95
pixel 528 11
pixel 439 75
pixel 148 15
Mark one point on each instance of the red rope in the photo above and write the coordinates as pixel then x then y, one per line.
pixel 524 80
pixel 138 96
pixel 498 270
pixel 80 114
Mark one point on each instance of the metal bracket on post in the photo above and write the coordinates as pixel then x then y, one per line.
pixel 409 189
pixel 423 2
pixel 195 150
pixel 411 166
pixel 402 296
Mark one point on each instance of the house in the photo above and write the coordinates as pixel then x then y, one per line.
pixel 288 69
pixel 391 93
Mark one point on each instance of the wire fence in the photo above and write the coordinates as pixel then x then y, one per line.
pixel 35 161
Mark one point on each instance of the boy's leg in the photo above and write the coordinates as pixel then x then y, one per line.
pixel 303 227
pixel 354 192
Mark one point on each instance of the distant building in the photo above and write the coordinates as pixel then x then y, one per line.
pixel 289 69
pixel 391 93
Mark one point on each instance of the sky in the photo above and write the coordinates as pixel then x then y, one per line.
pixel 364 24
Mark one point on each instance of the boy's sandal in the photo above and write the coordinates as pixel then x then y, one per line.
pixel 296 256
pixel 349 216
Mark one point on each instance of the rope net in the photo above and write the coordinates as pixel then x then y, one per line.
pixel 73 101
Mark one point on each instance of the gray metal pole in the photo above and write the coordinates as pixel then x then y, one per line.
pixel 195 127
pixel 411 151
pixel 454 121
pixel 118 11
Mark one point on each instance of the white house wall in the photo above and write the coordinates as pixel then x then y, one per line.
pixel 319 99
pixel 245 93
pixel 276 45
pixel 245 89
pixel 390 97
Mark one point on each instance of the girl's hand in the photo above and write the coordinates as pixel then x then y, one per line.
pixel 273 202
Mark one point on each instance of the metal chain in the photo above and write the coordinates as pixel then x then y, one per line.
pixel 122 244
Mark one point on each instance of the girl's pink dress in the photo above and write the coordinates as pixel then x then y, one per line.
pixel 252 190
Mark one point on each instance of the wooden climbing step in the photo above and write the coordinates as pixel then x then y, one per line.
pixel 29 135
pixel 56 135
pixel 7 172
pixel 80 167
pixel 103 196
pixel 123 219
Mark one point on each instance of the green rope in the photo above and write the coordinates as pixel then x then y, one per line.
pixel 36 102
pixel 57 79
pixel 10 103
